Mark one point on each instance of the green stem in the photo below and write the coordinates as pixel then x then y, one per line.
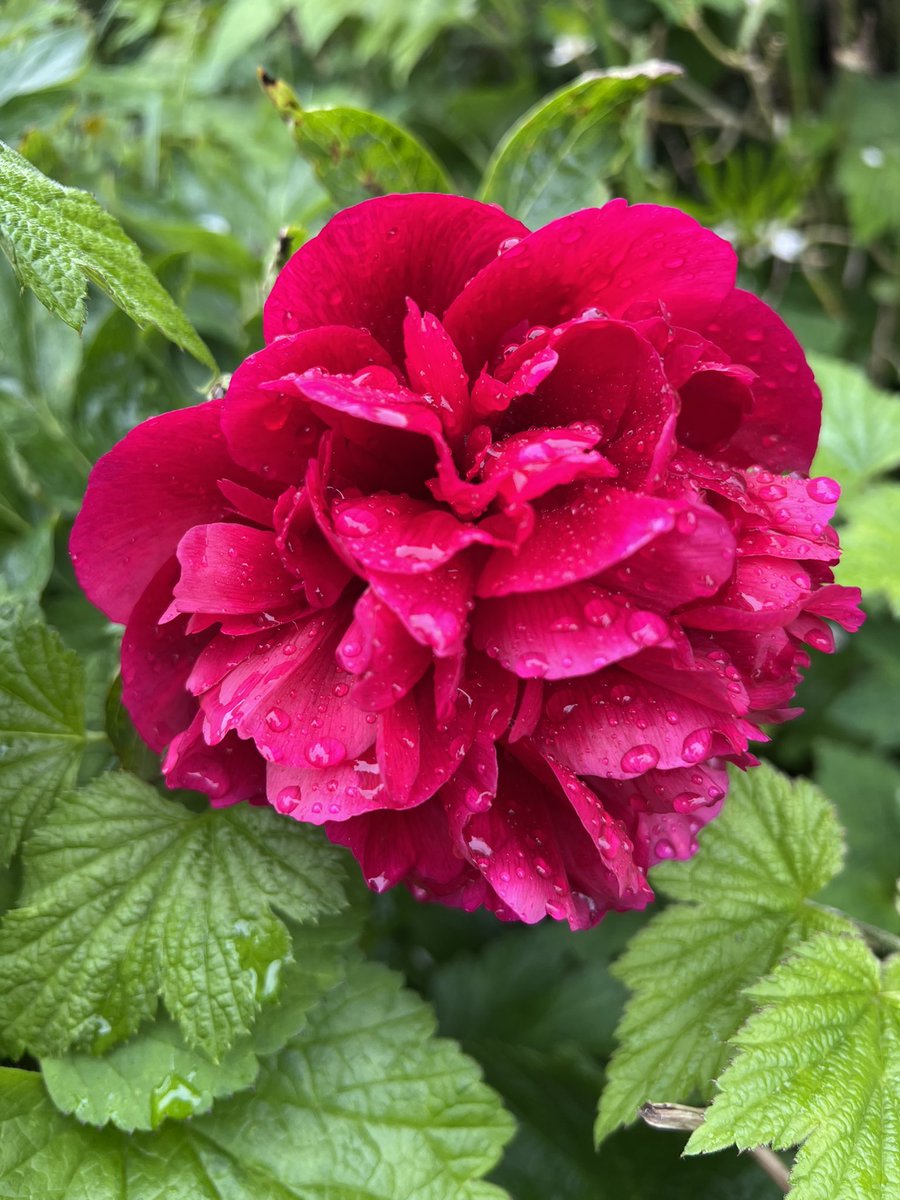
pixel 795 31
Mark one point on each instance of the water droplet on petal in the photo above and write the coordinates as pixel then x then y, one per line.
pixel 356 522
pixel 639 759
pixel 823 490
pixel 664 849
pixel 287 800
pixel 326 752
pixel 277 720
pixel 646 628
pixel 697 745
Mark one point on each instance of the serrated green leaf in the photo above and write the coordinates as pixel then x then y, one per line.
pixel 870 558
pixel 364 1104
pixel 820 1064
pixel 58 237
pixel 558 157
pixel 357 154
pixel 41 723
pixel 744 900
pixel 157 1076
pixel 129 895
pixel 860 434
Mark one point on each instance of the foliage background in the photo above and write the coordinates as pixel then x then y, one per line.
pixel 781 134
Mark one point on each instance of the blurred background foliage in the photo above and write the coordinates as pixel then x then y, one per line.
pixel 781 133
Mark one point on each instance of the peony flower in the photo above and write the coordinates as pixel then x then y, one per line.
pixel 490 561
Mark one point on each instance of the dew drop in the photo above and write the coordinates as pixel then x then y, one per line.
pixel 277 720
pixel 356 522
pixel 823 490
pixel 646 628
pixel 697 745
pixel 287 800
pixel 326 752
pixel 664 849
pixel 639 759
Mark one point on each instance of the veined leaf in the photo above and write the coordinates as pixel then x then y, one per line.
pixel 357 154
pixel 860 424
pixel 559 156
pixel 157 1076
pixel 744 900
pixel 819 1064
pixel 59 237
pixel 869 539
pixel 41 723
pixel 363 1102
pixel 128 895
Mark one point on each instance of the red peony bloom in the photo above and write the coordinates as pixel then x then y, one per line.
pixel 490 561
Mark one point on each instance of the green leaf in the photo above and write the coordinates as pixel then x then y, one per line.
pixel 866 789
pixel 357 154
pixel 157 1076
pixel 41 723
pixel 46 60
pixel 363 1104
pixel 743 901
pixel 860 434
pixel 869 559
pixel 820 1064
pixel 58 237
pixel 128 895
pixel 560 155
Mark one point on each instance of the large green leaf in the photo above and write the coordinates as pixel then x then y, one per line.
pixel 860 434
pixel 820 1064
pixel 743 901
pixel 363 1104
pixel 560 155
pixel 357 154
pixel 128 895
pixel 58 237
pixel 41 723
pixel 156 1075
pixel 44 60
pixel 870 544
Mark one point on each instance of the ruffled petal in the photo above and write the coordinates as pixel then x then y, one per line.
pixel 142 496
pixel 610 258
pixel 368 260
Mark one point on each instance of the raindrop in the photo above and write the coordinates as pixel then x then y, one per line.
pixel 664 849
pixel 277 720
pixel 823 490
pixel 326 752
pixel 646 628
pixel 697 745
pixel 287 800
pixel 356 522
pixel 639 759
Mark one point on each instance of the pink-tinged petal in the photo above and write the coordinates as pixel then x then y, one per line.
pixel 434 368
pixel 701 670
pixel 610 258
pixel 693 560
pixel 448 673
pixel 838 603
pixel 229 568
pixel 272 431
pixel 156 663
pixel 591 529
pixel 386 660
pixel 259 510
pixel 433 607
pixel 401 535
pixel 306 552
pixel 412 847
pixel 532 365
pixel 620 881
pixel 142 496
pixel 765 667
pixel 228 773
pixel 783 429
pixel 618 726
pixel 366 398
pixel 398 749
pixel 765 593
pixel 714 402
pixel 565 632
pixel 337 793
pixel 368 260
pixel 529 710
pixel 290 698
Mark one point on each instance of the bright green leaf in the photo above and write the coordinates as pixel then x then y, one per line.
pixel 819 1064
pixel 357 154
pixel 744 900
pixel 871 547
pixel 363 1103
pixel 157 1076
pixel 41 723
pixel 128 895
pixel 58 237
pixel 860 434
pixel 560 155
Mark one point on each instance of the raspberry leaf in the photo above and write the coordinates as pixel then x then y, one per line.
pixel 744 900
pixel 128 895
pixel 860 424
pixel 872 519
pixel 364 1101
pixel 57 238
pixel 820 1065
pixel 41 723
